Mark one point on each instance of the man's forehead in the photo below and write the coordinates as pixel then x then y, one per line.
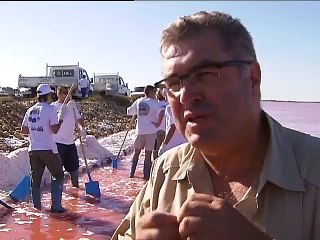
pixel 175 50
pixel 179 57
pixel 206 39
pixel 175 63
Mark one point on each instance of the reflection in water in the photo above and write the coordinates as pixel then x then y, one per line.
pixel 86 218
pixel 37 229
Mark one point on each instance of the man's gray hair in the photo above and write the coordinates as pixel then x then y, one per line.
pixel 236 39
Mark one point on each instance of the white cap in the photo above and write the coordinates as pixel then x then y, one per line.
pixel 44 89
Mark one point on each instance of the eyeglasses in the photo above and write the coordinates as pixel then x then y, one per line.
pixel 205 75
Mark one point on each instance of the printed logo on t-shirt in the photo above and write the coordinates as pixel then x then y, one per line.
pixel 144 109
pixel 35 120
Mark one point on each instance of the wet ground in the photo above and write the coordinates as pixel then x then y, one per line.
pixel 86 218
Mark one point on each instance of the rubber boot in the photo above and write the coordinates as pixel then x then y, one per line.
pixel 133 168
pixel 146 169
pixel 74 178
pixel 36 197
pixel 56 196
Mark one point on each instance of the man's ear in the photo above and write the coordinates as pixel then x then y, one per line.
pixel 255 73
pixel 255 77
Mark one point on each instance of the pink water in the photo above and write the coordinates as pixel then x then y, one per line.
pixel 86 218
pixel 300 116
pixel 90 219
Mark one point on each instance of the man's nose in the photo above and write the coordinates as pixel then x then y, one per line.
pixel 189 93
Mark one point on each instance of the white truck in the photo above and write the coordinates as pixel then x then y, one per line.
pixel 111 84
pixel 55 76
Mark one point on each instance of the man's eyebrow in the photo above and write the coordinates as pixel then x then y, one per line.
pixel 203 64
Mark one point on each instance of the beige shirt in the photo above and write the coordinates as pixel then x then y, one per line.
pixel 285 202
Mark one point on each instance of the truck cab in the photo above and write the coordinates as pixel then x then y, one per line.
pixel 66 75
pixel 63 75
pixel 110 84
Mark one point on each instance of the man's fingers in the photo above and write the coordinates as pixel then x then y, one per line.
pixel 158 225
pixel 202 197
pixel 194 202
pixel 158 234
pixel 189 226
pixel 193 208
pixel 158 219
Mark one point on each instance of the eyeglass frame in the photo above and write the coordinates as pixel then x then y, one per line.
pixel 218 65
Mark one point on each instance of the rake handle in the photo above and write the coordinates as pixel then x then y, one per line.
pixel 130 124
pixel 5 205
pixel 81 145
pixel 68 95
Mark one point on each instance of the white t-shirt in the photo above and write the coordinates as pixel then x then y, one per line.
pixel 83 83
pixel 39 118
pixel 147 111
pixel 65 135
pixel 177 137
pixel 163 105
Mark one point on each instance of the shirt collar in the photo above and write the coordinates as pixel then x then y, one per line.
pixel 280 166
pixel 42 103
pixel 193 167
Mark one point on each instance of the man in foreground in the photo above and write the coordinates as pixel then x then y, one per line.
pixel 148 111
pixel 41 122
pixel 241 175
pixel 65 137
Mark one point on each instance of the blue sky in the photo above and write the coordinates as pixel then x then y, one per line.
pixel 124 37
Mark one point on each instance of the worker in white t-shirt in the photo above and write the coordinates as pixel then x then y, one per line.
pixel 40 123
pixel 83 83
pixel 173 137
pixel 65 137
pixel 160 125
pixel 148 112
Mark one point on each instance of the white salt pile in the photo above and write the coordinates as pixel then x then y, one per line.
pixel 15 165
